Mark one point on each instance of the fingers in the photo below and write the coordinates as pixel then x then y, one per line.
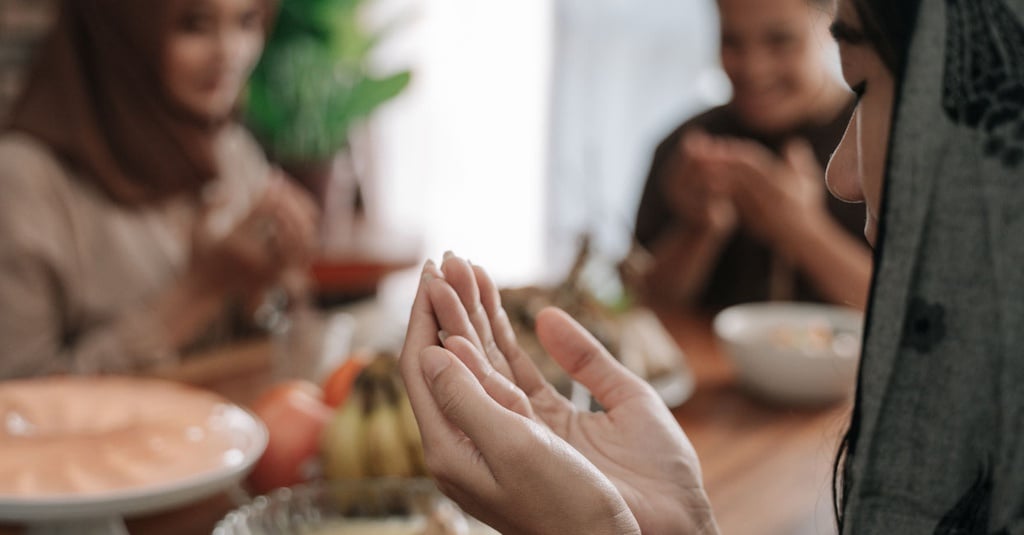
pixel 524 372
pixel 295 215
pixel 499 387
pixel 463 402
pixel 800 156
pixel 440 404
pixel 459 274
pixel 695 143
pixel 449 455
pixel 420 334
pixel 452 317
pixel 586 360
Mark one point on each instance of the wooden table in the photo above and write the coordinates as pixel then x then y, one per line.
pixel 767 469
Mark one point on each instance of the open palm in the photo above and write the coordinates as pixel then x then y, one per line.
pixel 636 442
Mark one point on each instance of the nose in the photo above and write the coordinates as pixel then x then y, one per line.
pixel 843 174
pixel 231 48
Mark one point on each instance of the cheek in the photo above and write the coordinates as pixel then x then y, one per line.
pixel 804 69
pixel 731 63
pixel 183 56
pixel 875 147
pixel 250 51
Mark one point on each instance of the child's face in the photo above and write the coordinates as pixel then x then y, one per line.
pixel 857 168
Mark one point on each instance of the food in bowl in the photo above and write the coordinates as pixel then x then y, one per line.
pixel 793 353
pixel 382 506
pixel 436 525
pixel 818 337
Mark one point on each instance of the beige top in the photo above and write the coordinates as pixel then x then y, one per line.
pixel 78 272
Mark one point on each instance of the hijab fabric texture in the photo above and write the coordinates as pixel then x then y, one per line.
pixel 96 98
pixel 939 441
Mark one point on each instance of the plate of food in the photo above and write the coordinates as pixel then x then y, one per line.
pixel 633 335
pixel 81 450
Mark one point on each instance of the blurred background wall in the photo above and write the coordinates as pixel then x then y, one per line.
pixel 625 74
pixel 550 109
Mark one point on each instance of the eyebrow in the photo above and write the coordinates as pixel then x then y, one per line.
pixel 844 32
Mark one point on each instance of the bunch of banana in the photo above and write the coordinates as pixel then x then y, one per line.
pixel 374 433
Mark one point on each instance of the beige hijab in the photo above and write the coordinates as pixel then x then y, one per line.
pixel 97 99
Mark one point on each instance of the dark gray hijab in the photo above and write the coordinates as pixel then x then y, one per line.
pixel 937 443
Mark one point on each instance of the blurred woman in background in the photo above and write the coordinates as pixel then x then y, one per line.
pixel 134 210
pixel 773 233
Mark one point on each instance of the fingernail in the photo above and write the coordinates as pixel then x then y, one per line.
pixel 428 270
pixel 448 255
pixel 434 361
pixel 442 335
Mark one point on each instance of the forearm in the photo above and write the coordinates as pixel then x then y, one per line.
pixel 187 308
pixel 838 264
pixel 684 259
pixel 151 335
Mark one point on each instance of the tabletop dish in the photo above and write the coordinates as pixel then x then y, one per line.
pixel 75 447
pixel 796 353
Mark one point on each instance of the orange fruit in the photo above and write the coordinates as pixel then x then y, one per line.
pixel 339 383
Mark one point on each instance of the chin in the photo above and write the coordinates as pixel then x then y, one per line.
pixel 767 124
pixel 210 111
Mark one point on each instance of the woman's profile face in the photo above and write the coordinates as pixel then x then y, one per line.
pixel 857 168
pixel 210 50
pixel 776 53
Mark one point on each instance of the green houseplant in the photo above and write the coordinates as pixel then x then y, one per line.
pixel 313 84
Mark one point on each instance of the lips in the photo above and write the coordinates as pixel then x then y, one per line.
pixel 871 228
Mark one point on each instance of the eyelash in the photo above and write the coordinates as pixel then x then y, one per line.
pixel 858 90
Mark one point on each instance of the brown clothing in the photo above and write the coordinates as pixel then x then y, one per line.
pixel 96 96
pixel 79 271
pixel 745 267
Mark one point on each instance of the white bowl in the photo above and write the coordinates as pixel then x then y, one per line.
pixel 793 353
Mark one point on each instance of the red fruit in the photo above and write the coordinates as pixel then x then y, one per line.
pixel 295 415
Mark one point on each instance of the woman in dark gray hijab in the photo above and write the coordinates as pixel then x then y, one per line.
pixel 935 439
pixel 935 444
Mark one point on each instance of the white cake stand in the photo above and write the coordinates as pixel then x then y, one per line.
pixel 102 514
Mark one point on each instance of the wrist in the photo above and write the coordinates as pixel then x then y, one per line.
pixel 797 240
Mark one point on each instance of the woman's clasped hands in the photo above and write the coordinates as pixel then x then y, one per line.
pixel 508 448
pixel 724 183
pixel 277 236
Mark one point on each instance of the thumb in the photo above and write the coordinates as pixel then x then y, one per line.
pixel 463 401
pixel 800 156
pixel 586 360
